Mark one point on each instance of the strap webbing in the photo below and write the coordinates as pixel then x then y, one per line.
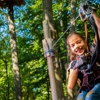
pixel 86 35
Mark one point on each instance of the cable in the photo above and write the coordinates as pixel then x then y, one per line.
pixel 66 31
pixel 68 27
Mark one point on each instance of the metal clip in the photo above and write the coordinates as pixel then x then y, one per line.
pixel 85 11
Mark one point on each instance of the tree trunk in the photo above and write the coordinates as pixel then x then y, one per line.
pixel 73 14
pixel 14 54
pixel 48 15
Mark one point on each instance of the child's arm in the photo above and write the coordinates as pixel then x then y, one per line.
pixel 97 21
pixel 73 76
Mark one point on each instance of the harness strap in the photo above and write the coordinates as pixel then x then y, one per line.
pixel 86 31
pixel 85 83
pixel 96 53
pixel 97 75
pixel 86 35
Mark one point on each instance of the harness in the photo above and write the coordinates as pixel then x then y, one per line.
pixel 91 68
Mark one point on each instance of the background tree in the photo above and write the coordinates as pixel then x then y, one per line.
pixel 29 34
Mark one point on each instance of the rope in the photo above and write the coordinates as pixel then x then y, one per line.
pixel 66 31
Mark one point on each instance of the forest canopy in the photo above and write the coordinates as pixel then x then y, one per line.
pixel 33 68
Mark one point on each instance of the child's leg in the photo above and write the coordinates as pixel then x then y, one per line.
pixel 94 94
pixel 82 95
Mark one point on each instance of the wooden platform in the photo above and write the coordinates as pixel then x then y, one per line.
pixel 6 3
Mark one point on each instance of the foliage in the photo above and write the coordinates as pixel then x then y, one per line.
pixel 29 34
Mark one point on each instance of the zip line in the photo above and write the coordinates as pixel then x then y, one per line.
pixel 85 2
pixel 65 31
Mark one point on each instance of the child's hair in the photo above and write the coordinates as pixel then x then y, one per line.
pixel 72 56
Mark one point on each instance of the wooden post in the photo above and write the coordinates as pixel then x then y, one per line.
pixel 48 53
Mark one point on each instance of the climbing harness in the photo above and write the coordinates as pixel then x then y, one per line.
pixel 85 11
pixel 92 68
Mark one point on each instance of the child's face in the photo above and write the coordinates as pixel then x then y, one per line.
pixel 77 45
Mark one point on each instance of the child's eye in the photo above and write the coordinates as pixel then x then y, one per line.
pixel 79 41
pixel 72 45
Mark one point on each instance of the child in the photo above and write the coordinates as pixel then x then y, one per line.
pixel 89 87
